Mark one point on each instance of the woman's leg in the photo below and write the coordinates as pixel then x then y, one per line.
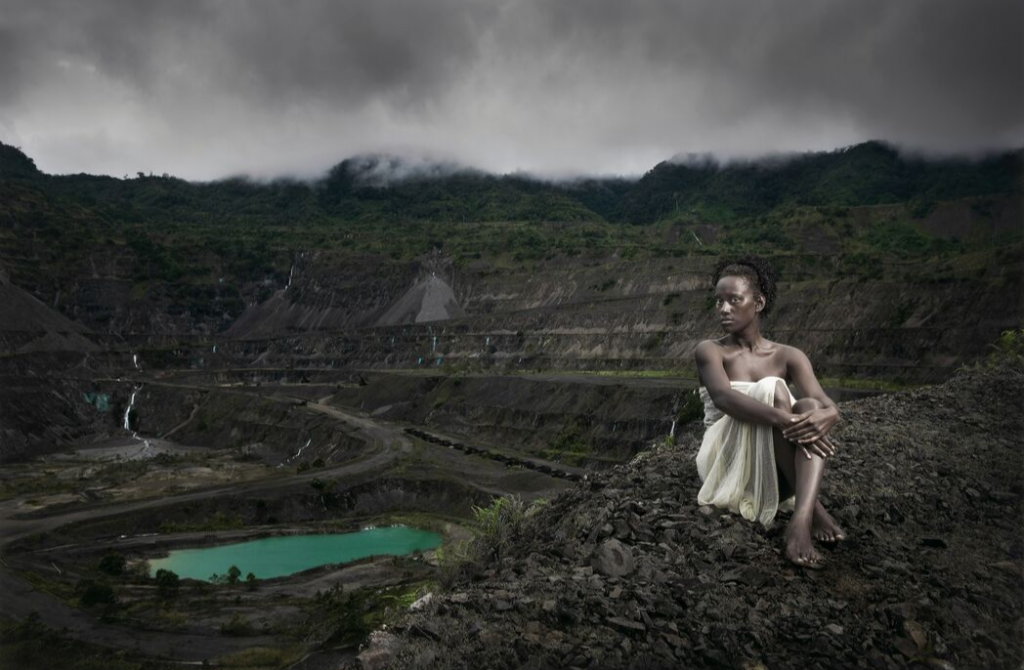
pixel 823 528
pixel 803 476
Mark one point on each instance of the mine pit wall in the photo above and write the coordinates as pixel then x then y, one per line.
pixel 40 416
pixel 272 430
pixel 904 331
pixel 614 419
pixel 618 315
pixel 45 417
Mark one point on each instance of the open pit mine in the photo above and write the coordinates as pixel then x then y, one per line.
pixel 316 448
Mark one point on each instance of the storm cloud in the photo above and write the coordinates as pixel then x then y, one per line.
pixel 208 89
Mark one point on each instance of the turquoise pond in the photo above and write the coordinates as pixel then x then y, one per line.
pixel 286 555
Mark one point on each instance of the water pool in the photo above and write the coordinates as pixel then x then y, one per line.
pixel 286 555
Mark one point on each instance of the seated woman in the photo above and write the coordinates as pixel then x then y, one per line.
pixel 761 447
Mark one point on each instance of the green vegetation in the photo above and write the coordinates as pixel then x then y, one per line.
pixel 113 564
pixel 570 445
pixel 95 593
pixel 259 657
pixel 237 626
pixel 167 583
pixel 497 527
pixel 337 617
pixel 1008 350
pixel 234 574
pixel 197 249
pixel 691 408
pixel 219 521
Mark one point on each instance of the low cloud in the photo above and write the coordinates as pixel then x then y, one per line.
pixel 204 89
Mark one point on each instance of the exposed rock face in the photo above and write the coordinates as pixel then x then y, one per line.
pixel 926 484
pixel 27 325
pixel 431 299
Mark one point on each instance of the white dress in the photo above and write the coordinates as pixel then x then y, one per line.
pixel 736 461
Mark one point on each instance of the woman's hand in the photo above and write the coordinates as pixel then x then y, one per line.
pixel 810 427
pixel 824 448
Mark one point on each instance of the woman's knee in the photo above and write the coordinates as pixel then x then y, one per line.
pixel 806 405
pixel 782 398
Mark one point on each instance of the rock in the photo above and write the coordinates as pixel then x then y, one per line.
pixel 936 542
pixel 906 647
pixel 380 650
pixel 626 624
pixel 835 629
pixel 613 559
pixel 426 629
pixel 421 603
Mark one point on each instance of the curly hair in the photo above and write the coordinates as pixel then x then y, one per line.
pixel 754 269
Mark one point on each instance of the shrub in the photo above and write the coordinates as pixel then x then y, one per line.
pixel 238 626
pixel 95 593
pixel 1008 350
pixel 112 564
pixel 690 409
pixel 167 583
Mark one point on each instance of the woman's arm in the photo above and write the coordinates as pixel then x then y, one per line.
pixel 814 425
pixel 735 404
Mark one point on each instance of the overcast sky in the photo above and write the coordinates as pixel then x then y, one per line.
pixel 206 89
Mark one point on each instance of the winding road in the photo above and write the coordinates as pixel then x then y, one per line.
pixel 20 598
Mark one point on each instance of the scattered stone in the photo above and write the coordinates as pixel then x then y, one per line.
pixel 421 603
pixel 627 624
pixel 613 559
pixel 718 593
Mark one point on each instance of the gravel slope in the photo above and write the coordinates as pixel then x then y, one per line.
pixel 626 570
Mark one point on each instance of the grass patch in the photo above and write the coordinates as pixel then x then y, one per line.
pixel 219 521
pixel 260 657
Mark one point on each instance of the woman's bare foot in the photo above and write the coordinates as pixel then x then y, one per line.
pixel 799 547
pixel 824 528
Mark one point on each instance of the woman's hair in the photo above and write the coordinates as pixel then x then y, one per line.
pixel 754 269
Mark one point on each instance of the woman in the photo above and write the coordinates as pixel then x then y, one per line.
pixel 760 447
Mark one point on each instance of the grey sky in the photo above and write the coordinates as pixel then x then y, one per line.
pixel 205 89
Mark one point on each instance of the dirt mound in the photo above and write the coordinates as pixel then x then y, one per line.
pixel 626 570
pixel 26 324
pixel 431 299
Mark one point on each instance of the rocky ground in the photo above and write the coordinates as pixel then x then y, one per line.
pixel 626 571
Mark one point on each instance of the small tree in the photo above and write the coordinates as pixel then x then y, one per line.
pixel 234 574
pixel 95 593
pixel 167 583
pixel 113 564
pixel 251 582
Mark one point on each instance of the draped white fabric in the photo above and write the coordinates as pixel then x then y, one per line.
pixel 736 461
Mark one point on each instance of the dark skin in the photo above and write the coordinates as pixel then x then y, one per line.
pixel 801 428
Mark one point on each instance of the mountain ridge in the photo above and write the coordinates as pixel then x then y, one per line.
pixel 384 185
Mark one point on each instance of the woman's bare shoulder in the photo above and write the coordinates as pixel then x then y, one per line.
pixel 791 354
pixel 709 347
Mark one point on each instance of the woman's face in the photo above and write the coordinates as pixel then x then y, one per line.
pixel 736 304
